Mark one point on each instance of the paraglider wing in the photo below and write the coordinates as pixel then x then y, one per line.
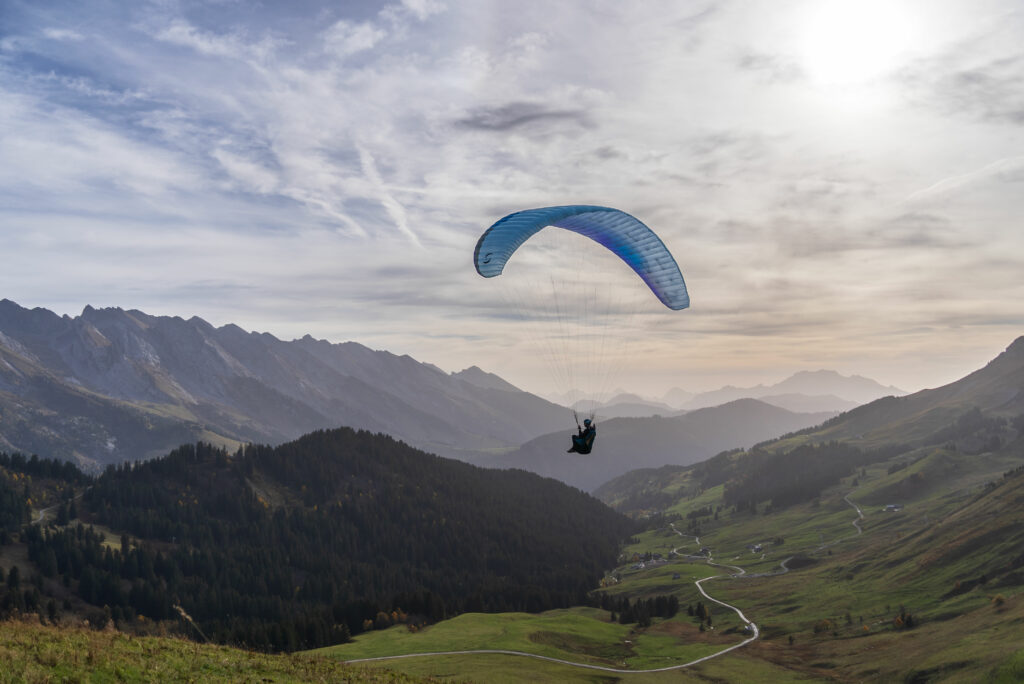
pixel 624 235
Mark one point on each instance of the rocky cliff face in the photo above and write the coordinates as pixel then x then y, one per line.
pixel 186 378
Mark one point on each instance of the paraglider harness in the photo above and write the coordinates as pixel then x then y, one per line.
pixel 583 441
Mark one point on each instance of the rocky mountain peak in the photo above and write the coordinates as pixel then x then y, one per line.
pixel 1016 348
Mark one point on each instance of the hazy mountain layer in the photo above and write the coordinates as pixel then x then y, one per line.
pixel 822 390
pixel 624 444
pixel 932 415
pixel 980 413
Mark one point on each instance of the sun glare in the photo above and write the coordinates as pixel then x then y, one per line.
pixel 849 42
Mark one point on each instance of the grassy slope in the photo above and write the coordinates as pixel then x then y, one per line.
pixel 34 653
pixel 951 530
pixel 948 533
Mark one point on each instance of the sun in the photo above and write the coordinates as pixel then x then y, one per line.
pixel 851 42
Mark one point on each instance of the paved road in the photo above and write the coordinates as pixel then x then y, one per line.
pixel 855 523
pixel 860 513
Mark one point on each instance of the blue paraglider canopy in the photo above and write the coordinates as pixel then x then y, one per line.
pixel 624 235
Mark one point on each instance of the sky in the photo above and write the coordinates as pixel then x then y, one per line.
pixel 840 181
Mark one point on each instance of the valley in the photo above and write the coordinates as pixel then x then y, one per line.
pixel 838 609
pixel 886 543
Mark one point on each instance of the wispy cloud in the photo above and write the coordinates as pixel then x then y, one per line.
pixel 981 75
pixel 230 45
pixel 517 115
pixel 1010 169
pixel 771 68
pixel 62 34
pixel 394 208
pixel 346 38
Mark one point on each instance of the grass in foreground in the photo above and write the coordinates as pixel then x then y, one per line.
pixel 578 634
pixel 30 652
pixel 503 669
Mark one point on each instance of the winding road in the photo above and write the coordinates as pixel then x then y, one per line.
pixel 43 511
pixel 750 626
pixel 860 513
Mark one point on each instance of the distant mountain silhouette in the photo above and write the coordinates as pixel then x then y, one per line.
pixel 997 390
pixel 936 442
pixel 801 403
pixel 624 444
pixel 639 409
pixel 475 376
pixel 822 390
pixel 113 385
pixel 677 397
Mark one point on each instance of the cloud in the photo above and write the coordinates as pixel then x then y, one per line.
pixel 232 46
pixel 423 9
pixel 394 208
pixel 993 91
pixel 62 34
pixel 919 231
pixel 980 75
pixel 771 68
pixel 346 38
pixel 515 115
pixel 250 175
pixel 1010 169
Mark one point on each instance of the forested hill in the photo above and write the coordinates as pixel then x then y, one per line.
pixel 299 545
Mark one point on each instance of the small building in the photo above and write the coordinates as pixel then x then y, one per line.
pixel 893 508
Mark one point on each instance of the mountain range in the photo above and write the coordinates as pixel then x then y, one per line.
pixel 112 385
pixel 821 390
pixel 802 392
